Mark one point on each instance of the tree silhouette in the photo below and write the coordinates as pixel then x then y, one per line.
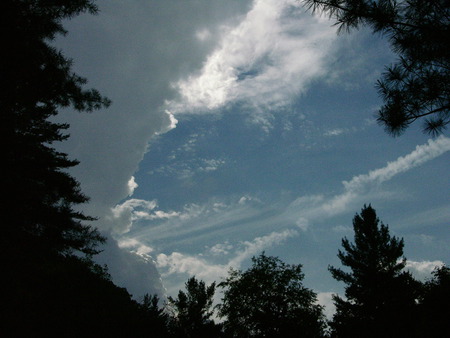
pixel 36 81
pixel 269 300
pixel 154 318
pixel 433 313
pixel 380 296
pixel 416 86
pixel 192 311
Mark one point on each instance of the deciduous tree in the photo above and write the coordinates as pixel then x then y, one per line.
pixel 269 300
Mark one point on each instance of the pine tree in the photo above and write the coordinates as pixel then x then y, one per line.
pixel 417 85
pixel 36 81
pixel 380 296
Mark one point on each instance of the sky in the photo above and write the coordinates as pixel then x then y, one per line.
pixel 238 127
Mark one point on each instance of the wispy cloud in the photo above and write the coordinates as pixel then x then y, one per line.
pixel 132 210
pixel 217 216
pixel 178 237
pixel 270 56
pixel 201 266
pixel 362 186
pixel 420 155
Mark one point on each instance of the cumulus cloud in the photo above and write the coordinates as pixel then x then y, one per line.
pixel 271 55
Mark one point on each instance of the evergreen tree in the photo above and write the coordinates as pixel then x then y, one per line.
pixel 154 317
pixel 417 85
pixel 269 300
pixel 192 311
pixel 380 296
pixel 36 81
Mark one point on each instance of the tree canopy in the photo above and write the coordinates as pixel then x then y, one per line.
pixel 417 85
pixel 269 300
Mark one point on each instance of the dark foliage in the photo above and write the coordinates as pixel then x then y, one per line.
pixel 36 81
pixel 417 85
pixel 192 311
pixel 56 296
pixel 380 296
pixel 269 300
pixel 434 311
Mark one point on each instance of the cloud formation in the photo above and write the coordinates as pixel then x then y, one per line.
pixel 272 55
pixel 362 186
pixel 177 263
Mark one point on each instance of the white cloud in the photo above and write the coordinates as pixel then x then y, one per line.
pixel 211 164
pixel 254 247
pixel 271 55
pixel 132 185
pixel 423 267
pixel 177 263
pixel 326 299
pixel 123 215
pixel 134 245
pixel 221 248
pixel 202 266
pixel 319 207
pixel 420 155
pixel 335 132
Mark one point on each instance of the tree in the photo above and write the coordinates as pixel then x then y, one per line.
pixel 154 316
pixel 192 310
pixel 269 300
pixel 417 85
pixel 433 313
pixel 380 296
pixel 36 81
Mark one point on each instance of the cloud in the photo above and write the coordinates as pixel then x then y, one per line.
pixel 335 132
pixel 319 207
pixel 326 300
pixel 135 246
pixel 178 263
pixel 132 185
pixel 420 155
pixel 422 269
pixel 272 55
pixel 133 270
pixel 221 249
pixel 254 247
pixel 133 210
pixel 201 266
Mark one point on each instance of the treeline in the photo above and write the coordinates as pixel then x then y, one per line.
pixel 67 296
pixel 382 299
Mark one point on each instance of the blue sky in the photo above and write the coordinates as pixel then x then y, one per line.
pixel 238 127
